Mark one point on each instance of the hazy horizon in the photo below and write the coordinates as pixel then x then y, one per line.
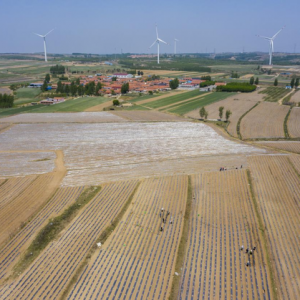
pixel 105 28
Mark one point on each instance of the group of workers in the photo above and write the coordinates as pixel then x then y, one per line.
pixel 164 216
pixel 249 252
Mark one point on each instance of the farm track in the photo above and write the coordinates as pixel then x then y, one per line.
pixel 138 261
pixel 13 187
pixel 14 248
pixel 264 121
pixel 277 189
pixel 223 219
pixel 294 123
pixel 50 273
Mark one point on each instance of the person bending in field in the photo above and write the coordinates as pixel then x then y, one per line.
pixel 242 247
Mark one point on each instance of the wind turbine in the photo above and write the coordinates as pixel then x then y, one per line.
pixel 271 39
pixel 175 40
pixel 44 37
pixel 157 41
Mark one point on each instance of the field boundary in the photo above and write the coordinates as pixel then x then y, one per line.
pixel 238 125
pixel 183 244
pixel 262 230
pixel 103 237
pixel 52 230
pixel 285 125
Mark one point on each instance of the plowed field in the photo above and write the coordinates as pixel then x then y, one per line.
pixel 138 260
pixel 47 277
pixel 277 189
pixel 222 220
pixel 296 97
pixel 264 121
pixel 294 122
pixel 148 116
pixel 284 145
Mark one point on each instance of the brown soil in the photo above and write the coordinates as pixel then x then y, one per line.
pixel 160 97
pixel 296 97
pixel 148 116
pixel 294 122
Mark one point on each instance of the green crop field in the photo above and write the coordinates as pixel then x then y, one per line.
pixel 173 99
pixel 75 105
pixel 136 98
pixel 197 103
pixel 6 112
pixel 136 107
pixel 26 95
pixel 273 93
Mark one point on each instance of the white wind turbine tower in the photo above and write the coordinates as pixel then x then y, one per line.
pixel 157 41
pixel 175 40
pixel 44 37
pixel 271 39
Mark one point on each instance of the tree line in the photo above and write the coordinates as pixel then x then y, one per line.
pixel 237 87
pixel 6 101
pixel 58 69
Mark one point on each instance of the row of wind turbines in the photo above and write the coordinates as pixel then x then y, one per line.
pixel 158 41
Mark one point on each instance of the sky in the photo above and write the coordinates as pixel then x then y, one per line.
pixel 112 26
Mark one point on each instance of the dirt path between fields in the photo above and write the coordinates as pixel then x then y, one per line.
pixel 160 97
pixel 280 100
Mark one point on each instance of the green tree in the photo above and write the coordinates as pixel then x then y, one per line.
pixel 67 89
pixel 252 80
pixel 77 81
pixel 60 87
pixel 276 82
pixel 98 88
pixel 116 102
pixel 80 90
pixel 174 83
pixel 44 86
pixel 221 108
pixel 297 82
pixel 293 83
pixel 47 78
pixel 228 114
pixel 6 101
pixel 114 78
pixel 206 114
pixel 202 112
pixel 112 92
pixel 257 81
pixel 73 88
pixel 125 88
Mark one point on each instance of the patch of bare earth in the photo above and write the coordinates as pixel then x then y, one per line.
pixel 148 116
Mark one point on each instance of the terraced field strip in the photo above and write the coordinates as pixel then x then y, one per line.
pixel 223 219
pixel 296 97
pixel 23 206
pixel 173 99
pixel 295 160
pixel 293 123
pixel 277 188
pixel 13 187
pixel 264 121
pixel 199 102
pixel 289 146
pixel 138 260
pixel 50 273
pixel 14 248
pixel 3 126
pixel 160 97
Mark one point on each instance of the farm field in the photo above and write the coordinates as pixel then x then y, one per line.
pixel 277 187
pixel 3 126
pixel 296 97
pixel 194 104
pixel 289 146
pixel 18 163
pixel 294 123
pixel 274 94
pixel 138 260
pixel 26 95
pixel 5 90
pixel 148 116
pixel 123 150
pixel 49 274
pixel 6 112
pixel 223 219
pixel 11 252
pixel 238 104
pixel 172 99
pixel 80 117
pixel 264 121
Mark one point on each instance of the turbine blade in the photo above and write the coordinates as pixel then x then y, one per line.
pixel 156 31
pixel 162 41
pixel 264 37
pixel 274 36
pixel 49 32
pixel 153 44
pixel 38 34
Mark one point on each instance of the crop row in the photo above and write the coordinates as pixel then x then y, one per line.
pixel 49 274
pixel 138 260
pixel 223 220
pixel 12 250
pixel 277 187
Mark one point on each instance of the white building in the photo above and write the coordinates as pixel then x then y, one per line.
pixel 122 75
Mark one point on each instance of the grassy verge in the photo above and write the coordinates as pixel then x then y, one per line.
pixel 102 238
pixel 238 125
pixel 183 244
pixel 264 237
pixel 52 230
pixel 285 126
